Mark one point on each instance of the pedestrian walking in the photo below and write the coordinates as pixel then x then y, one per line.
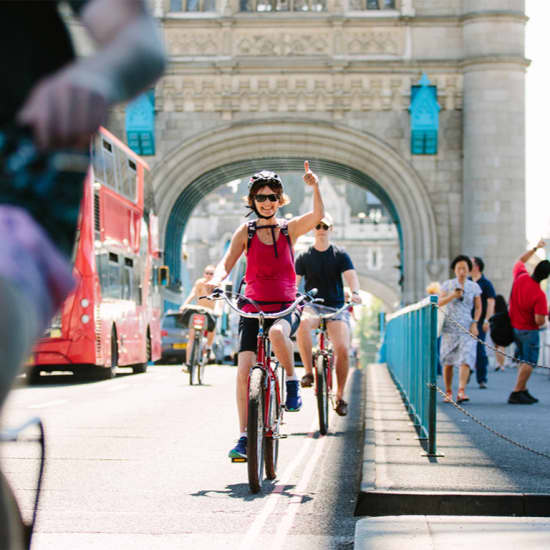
pixel 528 314
pixel 487 310
pixel 458 348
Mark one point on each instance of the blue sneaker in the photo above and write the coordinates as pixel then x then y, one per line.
pixel 293 399
pixel 239 451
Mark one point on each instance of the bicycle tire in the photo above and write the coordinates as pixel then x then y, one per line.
pixel 15 534
pixel 271 452
pixel 201 368
pixel 193 362
pixel 321 387
pixel 255 430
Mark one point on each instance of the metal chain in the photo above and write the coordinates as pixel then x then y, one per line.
pixel 488 428
pixel 450 317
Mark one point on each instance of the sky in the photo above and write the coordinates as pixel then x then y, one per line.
pixel 537 49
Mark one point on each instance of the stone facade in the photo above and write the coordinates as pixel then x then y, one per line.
pixel 336 85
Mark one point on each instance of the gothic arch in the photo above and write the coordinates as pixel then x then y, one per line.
pixel 207 160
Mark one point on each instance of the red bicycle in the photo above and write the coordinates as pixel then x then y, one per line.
pixel 265 394
pixel 323 364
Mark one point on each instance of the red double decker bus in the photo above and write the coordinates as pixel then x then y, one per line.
pixel 113 316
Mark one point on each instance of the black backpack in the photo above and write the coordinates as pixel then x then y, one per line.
pixel 502 332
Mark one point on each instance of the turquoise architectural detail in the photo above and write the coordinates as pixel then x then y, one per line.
pixel 140 124
pixel 424 111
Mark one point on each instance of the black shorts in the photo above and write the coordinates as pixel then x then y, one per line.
pixel 211 319
pixel 248 329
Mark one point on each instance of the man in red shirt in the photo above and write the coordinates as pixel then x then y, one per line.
pixel 528 313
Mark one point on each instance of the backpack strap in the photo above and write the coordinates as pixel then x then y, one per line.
pixel 251 226
pixel 284 231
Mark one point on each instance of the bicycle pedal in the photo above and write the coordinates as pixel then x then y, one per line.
pixel 240 460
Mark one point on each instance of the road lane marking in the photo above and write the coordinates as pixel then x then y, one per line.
pixel 273 499
pixel 287 521
pixel 48 404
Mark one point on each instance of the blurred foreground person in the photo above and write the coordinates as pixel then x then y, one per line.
pixel 51 104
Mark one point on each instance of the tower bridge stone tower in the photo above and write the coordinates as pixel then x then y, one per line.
pixel 331 80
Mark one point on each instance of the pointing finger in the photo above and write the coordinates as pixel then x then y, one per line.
pixel 306 165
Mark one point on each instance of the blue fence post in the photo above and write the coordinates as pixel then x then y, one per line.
pixel 433 376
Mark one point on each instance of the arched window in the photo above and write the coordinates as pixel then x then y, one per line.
pixel 267 6
pixel 372 4
pixel 192 5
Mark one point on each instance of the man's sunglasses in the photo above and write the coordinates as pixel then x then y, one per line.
pixel 323 226
pixel 262 198
pixel 209 273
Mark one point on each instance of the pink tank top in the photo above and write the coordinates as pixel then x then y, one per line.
pixel 270 280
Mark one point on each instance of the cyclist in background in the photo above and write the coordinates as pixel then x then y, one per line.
pixel 199 289
pixel 323 265
pixel 52 102
pixel 270 280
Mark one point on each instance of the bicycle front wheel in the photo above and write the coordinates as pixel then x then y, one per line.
pixel 194 361
pixel 272 443
pixel 255 430
pixel 202 368
pixel 321 387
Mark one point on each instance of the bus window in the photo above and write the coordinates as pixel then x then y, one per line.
pixel 131 173
pixel 126 283
pixel 109 275
pixel 109 164
pixel 97 161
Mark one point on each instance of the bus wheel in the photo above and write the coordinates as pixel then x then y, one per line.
pixel 32 374
pixel 142 367
pixel 110 372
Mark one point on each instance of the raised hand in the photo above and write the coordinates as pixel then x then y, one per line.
pixel 309 177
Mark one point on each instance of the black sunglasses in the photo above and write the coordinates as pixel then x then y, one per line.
pixel 322 226
pixel 262 198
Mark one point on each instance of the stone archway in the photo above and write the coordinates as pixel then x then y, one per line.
pixel 202 163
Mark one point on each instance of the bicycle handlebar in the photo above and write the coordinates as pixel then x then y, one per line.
pixel 327 316
pixel 218 294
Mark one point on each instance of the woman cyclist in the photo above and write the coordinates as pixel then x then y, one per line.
pixel 270 281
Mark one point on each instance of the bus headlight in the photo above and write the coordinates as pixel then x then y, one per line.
pixel 84 302
pixel 85 319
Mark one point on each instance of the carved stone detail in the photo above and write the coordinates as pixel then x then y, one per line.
pixel 336 93
pixel 374 43
pixel 193 43
pixel 285 44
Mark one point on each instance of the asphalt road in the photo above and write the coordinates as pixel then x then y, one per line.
pixel 141 462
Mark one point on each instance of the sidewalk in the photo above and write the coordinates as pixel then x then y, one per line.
pixel 424 499
pixel 478 474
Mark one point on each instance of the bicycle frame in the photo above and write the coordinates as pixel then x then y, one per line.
pixel 263 361
pixel 323 348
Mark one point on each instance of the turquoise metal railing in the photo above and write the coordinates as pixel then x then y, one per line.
pixel 410 342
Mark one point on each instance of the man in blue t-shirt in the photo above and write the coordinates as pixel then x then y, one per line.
pixel 323 265
pixel 487 311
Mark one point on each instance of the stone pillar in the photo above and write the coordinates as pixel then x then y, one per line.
pixel 493 224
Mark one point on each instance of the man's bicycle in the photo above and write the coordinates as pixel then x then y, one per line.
pixel 265 394
pixel 198 358
pixel 15 532
pixel 323 364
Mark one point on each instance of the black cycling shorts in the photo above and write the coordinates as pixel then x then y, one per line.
pixel 248 329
